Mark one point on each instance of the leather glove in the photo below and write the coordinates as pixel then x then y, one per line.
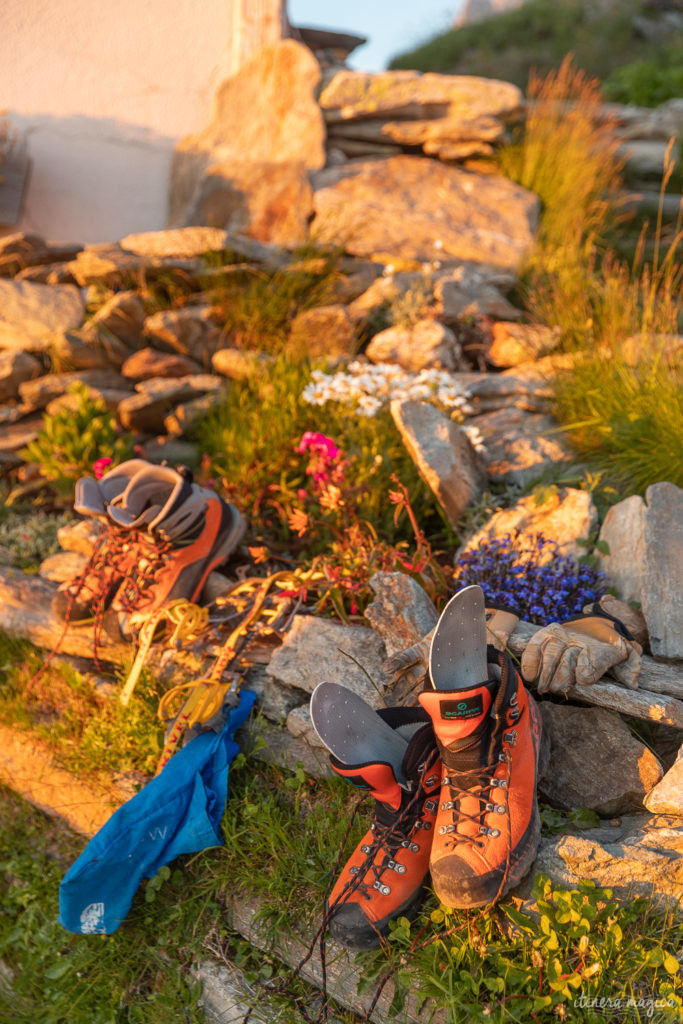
pixel 410 665
pixel 500 625
pixel 579 652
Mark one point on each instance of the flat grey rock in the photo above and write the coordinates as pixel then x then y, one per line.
pixel 318 650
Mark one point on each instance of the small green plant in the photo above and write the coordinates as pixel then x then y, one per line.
pixel 26 539
pixel 647 83
pixel 71 440
pixel 511 967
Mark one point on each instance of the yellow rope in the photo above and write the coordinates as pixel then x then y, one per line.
pixel 182 618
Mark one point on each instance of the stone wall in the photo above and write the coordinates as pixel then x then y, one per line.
pixel 102 94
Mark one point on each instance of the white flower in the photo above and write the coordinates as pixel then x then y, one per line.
pixel 475 439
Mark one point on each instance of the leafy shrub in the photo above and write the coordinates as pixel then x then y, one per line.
pixel 647 83
pixel 71 440
pixel 528 573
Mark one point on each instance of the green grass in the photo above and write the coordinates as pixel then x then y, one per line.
pixel 623 412
pixel 538 36
pixel 89 733
pixel 257 311
pixel 627 421
pixel 282 833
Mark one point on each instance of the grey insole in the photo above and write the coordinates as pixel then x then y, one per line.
pixel 352 731
pixel 457 658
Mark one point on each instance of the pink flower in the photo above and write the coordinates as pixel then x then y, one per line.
pixel 100 467
pixel 319 443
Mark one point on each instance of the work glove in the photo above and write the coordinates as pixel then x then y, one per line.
pixel 579 652
pixel 410 665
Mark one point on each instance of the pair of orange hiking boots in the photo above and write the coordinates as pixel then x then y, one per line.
pixel 454 782
pixel 162 535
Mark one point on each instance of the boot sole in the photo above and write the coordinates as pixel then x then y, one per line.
pixel 363 937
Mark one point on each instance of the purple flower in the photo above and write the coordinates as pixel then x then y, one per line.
pixel 517 571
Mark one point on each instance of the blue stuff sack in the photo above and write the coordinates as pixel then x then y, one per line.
pixel 178 811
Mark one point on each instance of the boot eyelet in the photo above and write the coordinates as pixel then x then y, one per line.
pixel 494 832
pixel 354 870
pixel 365 848
pixel 447 805
pixel 446 829
pixel 430 805
pixel 500 783
pixel 382 888
pixel 499 808
pixel 431 781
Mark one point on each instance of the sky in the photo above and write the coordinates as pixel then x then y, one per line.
pixel 391 26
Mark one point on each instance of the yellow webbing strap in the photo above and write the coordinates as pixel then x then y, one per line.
pixel 180 620
pixel 205 697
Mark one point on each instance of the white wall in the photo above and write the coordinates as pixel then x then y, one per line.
pixel 103 90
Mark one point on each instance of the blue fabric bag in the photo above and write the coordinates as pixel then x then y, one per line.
pixel 179 811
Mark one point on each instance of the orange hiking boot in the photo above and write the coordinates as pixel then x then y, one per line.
pixel 182 532
pixel 489 737
pixel 114 553
pixel 385 875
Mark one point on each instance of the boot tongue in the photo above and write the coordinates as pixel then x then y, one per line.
pixel 458 714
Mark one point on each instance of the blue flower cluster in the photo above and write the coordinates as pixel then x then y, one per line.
pixel 515 571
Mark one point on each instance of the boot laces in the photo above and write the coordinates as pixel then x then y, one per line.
pixel 153 557
pixel 476 783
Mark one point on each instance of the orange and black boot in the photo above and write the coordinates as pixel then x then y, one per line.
pixel 488 731
pixel 182 532
pixel 488 826
pixel 114 553
pixel 385 876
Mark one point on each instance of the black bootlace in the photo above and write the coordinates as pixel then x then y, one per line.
pixel 476 783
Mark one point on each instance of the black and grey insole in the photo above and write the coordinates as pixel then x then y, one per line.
pixel 352 731
pixel 457 658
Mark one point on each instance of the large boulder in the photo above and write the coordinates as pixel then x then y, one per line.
pixel 641 856
pixel 401 611
pixel 667 795
pixel 515 344
pixel 272 202
pixel 324 331
pixel 521 445
pixel 442 452
pixel 15 368
pixel 645 561
pixel 31 313
pixel 595 762
pixel 419 209
pixel 264 115
pixel 179 242
pixel 190 331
